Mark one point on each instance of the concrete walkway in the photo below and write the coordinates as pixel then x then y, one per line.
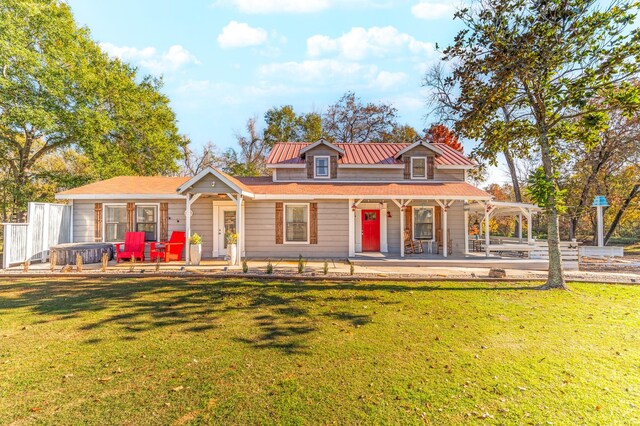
pixel 336 269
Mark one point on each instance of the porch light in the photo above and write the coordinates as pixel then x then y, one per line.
pixel 389 214
pixel 353 207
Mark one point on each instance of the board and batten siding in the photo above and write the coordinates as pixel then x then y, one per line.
pixel 83 210
pixel 333 231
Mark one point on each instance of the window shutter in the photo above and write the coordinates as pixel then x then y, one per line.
pixel 279 223
pixel 334 167
pixel 164 221
pixel 131 217
pixel 438 220
pixel 97 222
pixel 309 166
pixel 407 167
pixel 430 167
pixel 313 223
pixel 408 223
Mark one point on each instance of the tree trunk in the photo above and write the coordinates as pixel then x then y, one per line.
pixel 635 191
pixel 555 278
pixel 514 177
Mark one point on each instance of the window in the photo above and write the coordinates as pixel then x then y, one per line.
pixel 147 221
pixel 418 167
pixel 296 221
pixel 115 223
pixel 321 167
pixel 423 223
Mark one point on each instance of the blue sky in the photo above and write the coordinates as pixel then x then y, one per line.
pixel 224 61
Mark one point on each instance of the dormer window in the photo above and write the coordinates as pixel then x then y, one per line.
pixel 418 167
pixel 321 167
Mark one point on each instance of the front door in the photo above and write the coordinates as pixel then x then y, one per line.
pixel 370 230
pixel 226 223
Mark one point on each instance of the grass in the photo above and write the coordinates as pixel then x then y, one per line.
pixel 632 249
pixel 171 351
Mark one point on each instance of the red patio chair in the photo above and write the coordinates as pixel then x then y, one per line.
pixel 133 246
pixel 169 250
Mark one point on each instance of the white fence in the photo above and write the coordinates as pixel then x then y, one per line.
pixel 47 225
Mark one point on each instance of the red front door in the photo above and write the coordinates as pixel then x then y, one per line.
pixel 370 230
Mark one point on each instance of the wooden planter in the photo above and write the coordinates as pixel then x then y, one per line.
pixel 90 252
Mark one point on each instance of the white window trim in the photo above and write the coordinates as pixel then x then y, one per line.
pixel 284 224
pixel 425 168
pixel 413 220
pixel 104 219
pixel 157 206
pixel 315 166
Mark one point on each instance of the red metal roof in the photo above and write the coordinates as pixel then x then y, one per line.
pixel 364 153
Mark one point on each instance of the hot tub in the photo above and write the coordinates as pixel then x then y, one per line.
pixel 90 252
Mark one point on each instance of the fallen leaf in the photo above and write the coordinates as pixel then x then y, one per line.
pixel 178 388
pixel 35 409
pixel 105 379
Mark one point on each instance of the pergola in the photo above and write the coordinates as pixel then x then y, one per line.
pixel 500 209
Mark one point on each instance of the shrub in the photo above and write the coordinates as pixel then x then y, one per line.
pixel 325 268
pixel 352 269
pixel 195 239
pixel 301 264
pixel 245 266
pixel 269 268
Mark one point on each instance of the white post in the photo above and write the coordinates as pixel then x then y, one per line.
pixel 238 226
pixel 486 230
pixel 466 231
pixel 445 239
pixel 600 227
pixel 529 228
pixel 187 213
pixel 242 239
pixel 352 228
pixel 520 227
pixel 7 246
pixel 402 213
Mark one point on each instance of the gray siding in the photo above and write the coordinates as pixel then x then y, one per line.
pixel 448 175
pixel 202 223
pixel 393 228
pixel 369 174
pixel 83 230
pixel 204 186
pixel 333 231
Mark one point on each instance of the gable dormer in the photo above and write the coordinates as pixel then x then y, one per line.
pixel 321 159
pixel 419 160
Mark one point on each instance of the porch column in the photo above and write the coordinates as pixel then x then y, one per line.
pixel 445 238
pixel 529 228
pixel 187 214
pixel 520 227
pixel 239 219
pixel 466 230
pixel 352 228
pixel 402 225
pixel 487 216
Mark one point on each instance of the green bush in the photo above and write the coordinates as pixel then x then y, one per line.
pixel 245 266
pixel 325 268
pixel 269 268
pixel 301 264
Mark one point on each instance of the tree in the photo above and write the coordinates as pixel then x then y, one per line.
pixel 58 90
pixel 439 133
pixel 250 161
pixel 284 125
pixel 194 162
pixel 402 133
pixel 351 121
pixel 502 134
pixel 546 59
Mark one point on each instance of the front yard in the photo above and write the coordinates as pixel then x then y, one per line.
pixel 173 351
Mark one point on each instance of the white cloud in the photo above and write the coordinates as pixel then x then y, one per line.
pixel 240 34
pixel 332 72
pixel 298 6
pixel 386 80
pixel 148 57
pixel 360 43
pixel 433 10
pixel 277 6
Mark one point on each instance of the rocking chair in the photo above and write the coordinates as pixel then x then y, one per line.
pixel 440 244
pixel 412 246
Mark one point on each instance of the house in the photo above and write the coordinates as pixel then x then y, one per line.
pixel 322 200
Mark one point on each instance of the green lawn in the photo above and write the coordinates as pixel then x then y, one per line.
pixel 173 351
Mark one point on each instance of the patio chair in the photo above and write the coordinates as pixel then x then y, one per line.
pixel 168 250
pixel 412 246
pixel 133 247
